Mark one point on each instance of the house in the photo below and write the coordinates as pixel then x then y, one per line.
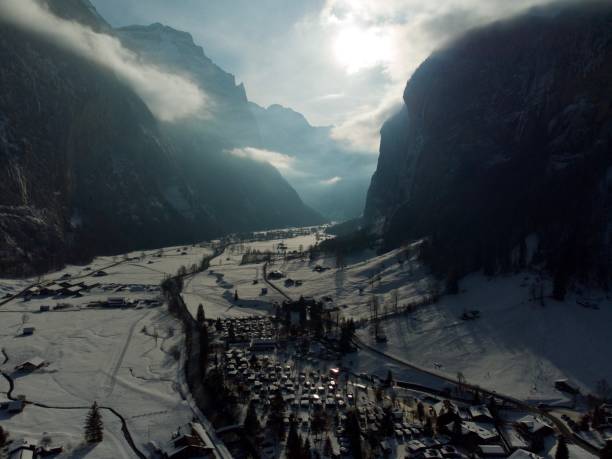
pixel 45 308
pixel 475 433
pixel 263 345
pixel 30 365
pixel 28 331
pixel 512 438
pixel 24 449
pixel 481 413
pixel 523 454
pixel 190 441
pixel 491 451
pixel 275 275
pixel 116 302
pixel 534 426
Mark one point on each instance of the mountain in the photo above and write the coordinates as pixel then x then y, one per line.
pixel 501 154
pixel 330 178
pixel 240 192
pixel 85 168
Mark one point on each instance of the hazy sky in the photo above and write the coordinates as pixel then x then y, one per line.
pixel 340 62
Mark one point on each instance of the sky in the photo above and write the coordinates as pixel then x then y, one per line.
pixel 339 62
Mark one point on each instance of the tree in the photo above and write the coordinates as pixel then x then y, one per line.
pixel 235 295
pixel 353 431
pixel 294 443
pixel 420 411
pixel 200 315
pixel 327 448
pixel 562 451
pixel 251 421
pixel 94 428
pixel 306 449
pixel 3 437
pixel 389 380
pixel 428 428
pixel 603 389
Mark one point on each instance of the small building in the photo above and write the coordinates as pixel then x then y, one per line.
pixel 524 454
pixel 264 291
pixel 30 365
pixel 190 441
pixel 534 426
pixel 491 451
pixel 24 449
pixel 100 273
pixel 263 345
pixel 481 413
pixel 275 275
pixel 45 308
pixel 28 331
pixel 116 302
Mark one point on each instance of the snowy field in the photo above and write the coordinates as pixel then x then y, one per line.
pixel 215 288
pixel 125 359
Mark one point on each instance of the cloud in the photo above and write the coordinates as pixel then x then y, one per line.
pixel 394 37
pixel 168 96
pixel 331 181
pixel 281 161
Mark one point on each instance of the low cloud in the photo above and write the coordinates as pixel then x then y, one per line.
pixel 168 96
pixel 331 181
pixel 281 161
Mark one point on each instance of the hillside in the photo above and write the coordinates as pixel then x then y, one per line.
pixel 499 145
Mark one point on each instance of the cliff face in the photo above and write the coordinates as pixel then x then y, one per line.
pixel 506 133
pixel 85 168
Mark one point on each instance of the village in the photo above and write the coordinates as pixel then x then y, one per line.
pixel 296 359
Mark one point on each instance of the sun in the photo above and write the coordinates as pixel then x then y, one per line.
pixel 357 48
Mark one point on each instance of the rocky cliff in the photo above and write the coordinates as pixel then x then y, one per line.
pixel 501 154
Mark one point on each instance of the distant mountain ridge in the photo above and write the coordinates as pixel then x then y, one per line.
pixel 85 168
pixel 497 144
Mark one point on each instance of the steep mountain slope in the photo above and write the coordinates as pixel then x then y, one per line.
pixel 328 177
pixel 241 193
pixel 496 143
pixel 85 168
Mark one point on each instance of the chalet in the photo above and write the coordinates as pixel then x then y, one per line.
pixel 55 289
pixel 534 426
pixel 480 413
pixel 512 438
pixel 524 454
pixel 263 345
pixel 24 449
pixel 190 441
pixel 475 433
pixel 30 365
pixel 491 451
pixel 275 275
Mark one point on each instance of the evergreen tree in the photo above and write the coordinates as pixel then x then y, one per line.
pixel 3 437
pixel 294 443
pixel 327 449
pixel 562 451
pixel 353 431
pixel 200 318
pixel 606 451
pixel 94 428
pixel 251 422
pixel 389 380
pixel 420 411
pixel 428 428
pixel 235 295
pixel 307 448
